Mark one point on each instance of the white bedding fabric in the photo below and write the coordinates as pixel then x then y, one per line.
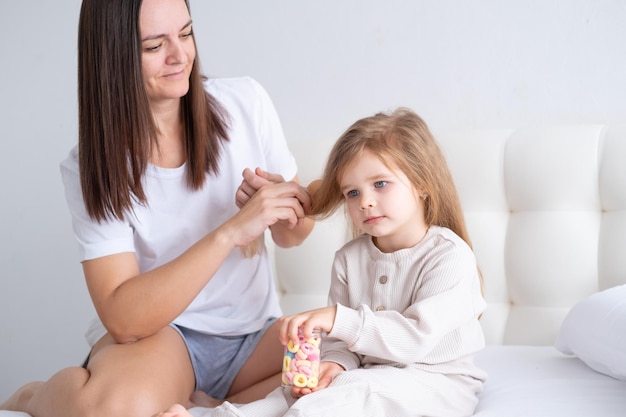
pixel 531 381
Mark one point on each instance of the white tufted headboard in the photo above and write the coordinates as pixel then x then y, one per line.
pixel 546 211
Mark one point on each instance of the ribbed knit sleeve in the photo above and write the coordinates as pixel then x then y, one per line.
pixel 417 306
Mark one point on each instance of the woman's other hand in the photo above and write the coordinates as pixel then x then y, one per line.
pixel 252 182
pixel 267 200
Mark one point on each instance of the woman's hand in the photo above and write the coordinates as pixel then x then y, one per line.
pixel 252 182
pixel 328 371
pixel 321 318
pixel 269 205
pixel 272 202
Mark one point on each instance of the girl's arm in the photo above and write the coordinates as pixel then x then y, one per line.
pixel 448 299
pixel 333 349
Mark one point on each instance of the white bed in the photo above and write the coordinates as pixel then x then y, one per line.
pixel 532 381
pixel 539 381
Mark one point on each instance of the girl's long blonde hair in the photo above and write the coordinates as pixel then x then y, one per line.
pixel 401 140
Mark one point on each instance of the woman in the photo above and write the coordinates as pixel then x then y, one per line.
pixel 161 213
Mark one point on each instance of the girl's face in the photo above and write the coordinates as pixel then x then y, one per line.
pixel 168 48
pixel 383 203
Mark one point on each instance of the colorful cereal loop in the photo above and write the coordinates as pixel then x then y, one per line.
pixel 286 362
pixel 300 380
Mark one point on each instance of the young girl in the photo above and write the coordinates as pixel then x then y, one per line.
pixel 402 323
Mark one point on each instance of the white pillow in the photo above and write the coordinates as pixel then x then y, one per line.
pixel 595 331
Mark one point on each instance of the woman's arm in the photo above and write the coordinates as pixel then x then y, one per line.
pixel 284 233
pixel 132 305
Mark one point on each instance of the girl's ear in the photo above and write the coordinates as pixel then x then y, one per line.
pixel 420 193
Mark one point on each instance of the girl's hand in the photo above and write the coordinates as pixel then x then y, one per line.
pixel 328 371
pixel 321 318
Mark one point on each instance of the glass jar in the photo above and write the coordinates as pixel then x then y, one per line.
pixel 301 361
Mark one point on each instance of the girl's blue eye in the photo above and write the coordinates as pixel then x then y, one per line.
pixel 352 193
pixel 380 184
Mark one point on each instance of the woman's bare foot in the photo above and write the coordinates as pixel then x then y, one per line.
pixel 176 410
pixel 198 399
pixel 202 399
pixel 19 400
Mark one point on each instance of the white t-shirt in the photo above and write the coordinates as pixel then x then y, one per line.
pixel 241 295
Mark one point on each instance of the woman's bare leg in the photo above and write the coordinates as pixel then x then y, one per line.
pixel 21 396
pixel 202 399
pixel 257 391
pixel 260 375
pixel 176 410
pixel 136 379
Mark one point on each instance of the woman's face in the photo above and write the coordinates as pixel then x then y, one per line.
pixel 168 49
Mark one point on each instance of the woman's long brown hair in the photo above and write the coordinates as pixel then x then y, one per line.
pixel 116 130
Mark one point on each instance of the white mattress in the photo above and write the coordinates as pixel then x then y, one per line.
pixel 532 381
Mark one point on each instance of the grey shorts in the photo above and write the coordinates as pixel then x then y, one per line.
pixel 217 360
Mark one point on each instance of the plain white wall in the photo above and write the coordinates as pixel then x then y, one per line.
pixel 460 64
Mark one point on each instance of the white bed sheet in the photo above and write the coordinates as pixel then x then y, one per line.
pixel 531 381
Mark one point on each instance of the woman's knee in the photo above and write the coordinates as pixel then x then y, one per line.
pixel 101 397
pixel 136 379
pixel 140 381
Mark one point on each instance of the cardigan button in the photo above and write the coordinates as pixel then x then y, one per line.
pixel 383 279
pixel 380 308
